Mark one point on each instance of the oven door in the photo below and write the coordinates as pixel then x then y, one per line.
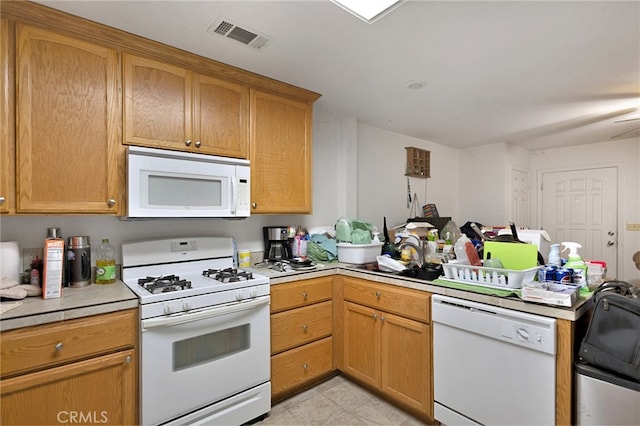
pixel 192 360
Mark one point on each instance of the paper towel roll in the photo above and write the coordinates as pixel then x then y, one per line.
pixel 9 261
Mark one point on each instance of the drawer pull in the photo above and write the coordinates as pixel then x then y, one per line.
pixel 305 295
pixel 305 327
pixel 59 346
pixel 305 366
pixel 378 294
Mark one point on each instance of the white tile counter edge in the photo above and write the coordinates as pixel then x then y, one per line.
pixel 74 303
pixel 570 314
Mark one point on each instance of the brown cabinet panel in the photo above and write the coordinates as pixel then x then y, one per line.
pixel 362 343
pixel 297 367
pixel 299 326
pixel 67 124
pixel 157 103
pixel 98 390
pixel 7 140
pixel 406 302
pixel 300 293
pixel 38 347
pixel 280 154
pixel 406 363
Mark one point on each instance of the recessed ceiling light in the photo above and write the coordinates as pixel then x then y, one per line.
pixel 368 10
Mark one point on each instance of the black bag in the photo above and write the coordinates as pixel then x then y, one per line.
pixel 612 341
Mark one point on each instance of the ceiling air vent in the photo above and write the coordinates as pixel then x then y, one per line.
pixel 245 35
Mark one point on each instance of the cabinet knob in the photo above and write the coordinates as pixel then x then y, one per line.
pixel 59 346
pixel 188 142
pixel 305 327
pixel 378 294
pixel 305 366
pixel 382 318
pixel 1 200
pixel 374 316
pixel 305 295
pixel 127 359
pixel 111 202
pixel 198 143
pixel 254 205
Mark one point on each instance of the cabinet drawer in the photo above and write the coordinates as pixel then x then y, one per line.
pixel 300 366
pixel 299 326
pixel 300 293
pixel 402 301
pixel 46 345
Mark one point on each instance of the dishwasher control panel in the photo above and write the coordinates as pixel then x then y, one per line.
pixel 519 328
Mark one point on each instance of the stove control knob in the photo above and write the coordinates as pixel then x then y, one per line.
pixel 239 296
pixel 167 309
pixel 186 306
pixel 254 293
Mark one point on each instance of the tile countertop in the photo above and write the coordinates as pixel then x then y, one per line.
pixel 571 314
pixel 74 303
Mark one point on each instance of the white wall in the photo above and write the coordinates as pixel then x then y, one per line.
pixel 382 184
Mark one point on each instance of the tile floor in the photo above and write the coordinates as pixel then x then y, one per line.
pixel 337 401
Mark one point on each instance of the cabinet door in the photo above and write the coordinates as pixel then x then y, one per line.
pixel 361 343
pixel 406 363
pixel 67 124
pixel 220 117
pixel 7 142
pixel 157 104
pixel 280 154
pixel 98 390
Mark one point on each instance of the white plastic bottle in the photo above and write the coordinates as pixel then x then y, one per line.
pixel 554 255
pixel 106 263
pixel 576 263
pixel 460 249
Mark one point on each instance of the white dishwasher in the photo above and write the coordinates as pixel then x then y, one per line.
pixel 492 365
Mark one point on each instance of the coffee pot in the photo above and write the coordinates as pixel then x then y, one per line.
pixel 277 245
pixel 78 267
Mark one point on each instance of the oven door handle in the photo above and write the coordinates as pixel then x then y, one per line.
pixel 207 313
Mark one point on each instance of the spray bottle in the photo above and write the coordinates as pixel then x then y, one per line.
pixel 576 263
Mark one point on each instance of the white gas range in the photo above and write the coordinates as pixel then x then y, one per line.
pixel 205 332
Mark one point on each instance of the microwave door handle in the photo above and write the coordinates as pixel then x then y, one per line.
pixel 234 194
pixel 207 313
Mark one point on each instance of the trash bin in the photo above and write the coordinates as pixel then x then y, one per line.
pixel 604 398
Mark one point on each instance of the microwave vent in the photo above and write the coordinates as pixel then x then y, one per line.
pixel 245 35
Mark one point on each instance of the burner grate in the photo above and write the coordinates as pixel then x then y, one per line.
pixel 164 284
pixel 228 275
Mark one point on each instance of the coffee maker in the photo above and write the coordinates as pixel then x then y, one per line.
pixel 277 245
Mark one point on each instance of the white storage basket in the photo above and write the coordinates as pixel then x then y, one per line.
pixel 488 277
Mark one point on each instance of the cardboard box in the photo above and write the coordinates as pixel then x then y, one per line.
pixel 550 293
pixel 52 270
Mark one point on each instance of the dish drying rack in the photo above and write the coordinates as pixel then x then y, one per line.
pixel 488 277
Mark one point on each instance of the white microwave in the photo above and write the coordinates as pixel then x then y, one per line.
pixel 162 183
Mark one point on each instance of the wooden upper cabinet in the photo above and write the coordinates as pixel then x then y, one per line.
pixel 280 154
pixel 67 124
pixel 7 141
pixel 167 106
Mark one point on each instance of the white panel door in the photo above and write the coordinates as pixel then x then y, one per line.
pixel 520 198
pixel 582 206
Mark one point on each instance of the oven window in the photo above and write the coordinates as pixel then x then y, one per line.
pixel 183 191
pixel 210 347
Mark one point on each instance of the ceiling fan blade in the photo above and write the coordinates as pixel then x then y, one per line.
pixel 628 119
pixel 627 133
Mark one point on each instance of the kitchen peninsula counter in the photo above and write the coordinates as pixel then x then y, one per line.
pixel 74 303
pixel 571 314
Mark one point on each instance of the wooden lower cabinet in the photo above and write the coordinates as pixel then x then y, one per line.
pixel 301 366
pixel 301 334
pixel 386 351
pixel 80 371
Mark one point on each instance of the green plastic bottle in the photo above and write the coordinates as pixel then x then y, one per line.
pixel 575 262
